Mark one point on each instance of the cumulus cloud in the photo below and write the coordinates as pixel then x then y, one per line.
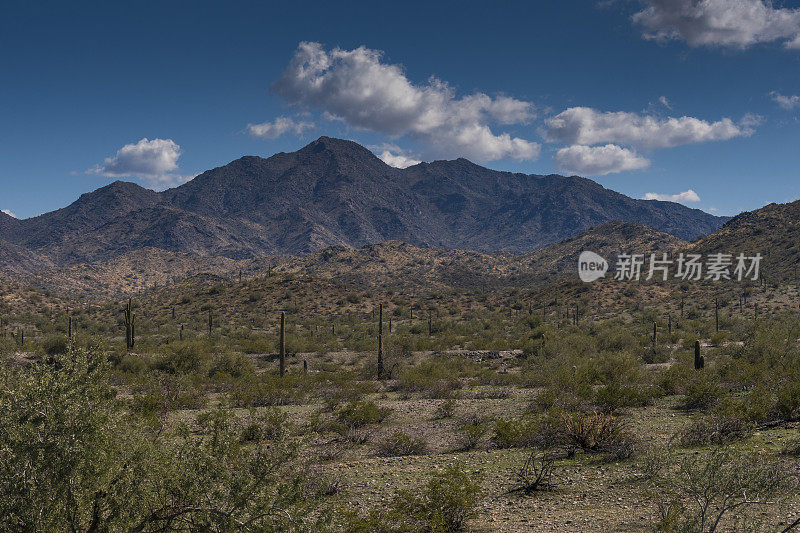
pixel 153 161
pixel 786 102
pixel 397 160
pixel 278 127
pixel 598 160
pixel 681 197
pixel 359 88
pixel 726 23
pixel 587 126
pixel 9 213
pixel 665 102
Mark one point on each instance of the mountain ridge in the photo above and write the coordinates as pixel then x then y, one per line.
pixel 337 192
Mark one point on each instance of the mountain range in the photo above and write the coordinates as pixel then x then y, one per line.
pixel 333 192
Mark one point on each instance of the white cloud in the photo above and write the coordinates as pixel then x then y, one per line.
pixel 726 23
pixel 278 127
pixel 598 160
pixel 357 87
pixel 681 197
pixel 397 160
pixel 665 102
pixel 154 162
pixel 8 212
pixel 584 125
pixel 786 102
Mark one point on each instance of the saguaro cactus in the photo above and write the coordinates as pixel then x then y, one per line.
pixel 282 344
pixel 380 342
pixel 699 360
pixel 210 322
pixel 69 329
pixel 655 333
pixel 716 313
pixel 130 325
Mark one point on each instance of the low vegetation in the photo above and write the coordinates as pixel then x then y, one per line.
pixel 495 410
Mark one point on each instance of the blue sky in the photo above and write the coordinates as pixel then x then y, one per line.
pixel 669 97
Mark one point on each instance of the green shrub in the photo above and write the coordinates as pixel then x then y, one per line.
pixel 446 409
pixel 673 380
pixel 271 424
pixel 269 389
pixel 517 433
pixel 792 448
pixel 442 505
pixel 788 400
pixel 55 345
pixel 400 444
pixel 614 396
pixel 187 357
pixel 715 429
pixel 74 459
pixel 702 392
pixel 132 364
pixel 236 365
pixel 358 414
pixel 435 378
pixel 471 434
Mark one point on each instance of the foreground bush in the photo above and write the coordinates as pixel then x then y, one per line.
pixel 74 460
pixel 705 490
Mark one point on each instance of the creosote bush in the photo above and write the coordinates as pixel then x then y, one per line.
pixel 399 444
pixel 442 505
pixel 358 414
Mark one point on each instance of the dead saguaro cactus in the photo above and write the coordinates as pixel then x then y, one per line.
pixel 699 360
pixel 282 344
pixel 130 325
pixel 380 342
